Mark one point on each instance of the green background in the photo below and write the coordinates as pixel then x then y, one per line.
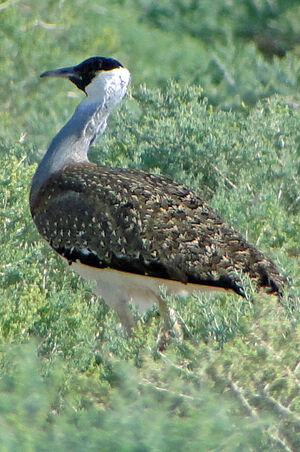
pixel 214 103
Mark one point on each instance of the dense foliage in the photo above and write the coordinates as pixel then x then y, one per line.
pixel 213 104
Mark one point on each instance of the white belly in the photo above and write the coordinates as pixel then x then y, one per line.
pixel 117 286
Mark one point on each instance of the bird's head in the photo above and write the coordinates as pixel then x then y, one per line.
pixel 95 75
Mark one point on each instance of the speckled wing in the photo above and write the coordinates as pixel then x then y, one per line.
pixel 146 224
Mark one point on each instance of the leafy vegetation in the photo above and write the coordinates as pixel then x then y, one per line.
pixel 211 108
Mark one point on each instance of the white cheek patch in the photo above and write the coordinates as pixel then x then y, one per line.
pixel 110 86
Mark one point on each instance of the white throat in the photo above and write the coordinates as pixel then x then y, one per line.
pixel 104 92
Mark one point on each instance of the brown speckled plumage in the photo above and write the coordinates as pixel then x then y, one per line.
pixel 146 224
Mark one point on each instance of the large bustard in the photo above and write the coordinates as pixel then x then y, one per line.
pixel 127 230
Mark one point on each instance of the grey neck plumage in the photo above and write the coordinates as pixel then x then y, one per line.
pixel 72 142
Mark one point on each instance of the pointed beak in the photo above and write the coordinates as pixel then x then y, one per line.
pixel 65 72
pixel 69 73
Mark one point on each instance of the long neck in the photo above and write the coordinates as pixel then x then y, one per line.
pixel 72 142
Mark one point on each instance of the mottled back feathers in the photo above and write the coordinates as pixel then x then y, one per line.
pixel 147 224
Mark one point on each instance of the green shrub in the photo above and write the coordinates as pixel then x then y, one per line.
pixel 69 377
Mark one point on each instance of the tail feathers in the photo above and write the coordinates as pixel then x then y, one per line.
pixel 270 279
pixel 260 268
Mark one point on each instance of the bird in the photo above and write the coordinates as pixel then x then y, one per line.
pixel 128 231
